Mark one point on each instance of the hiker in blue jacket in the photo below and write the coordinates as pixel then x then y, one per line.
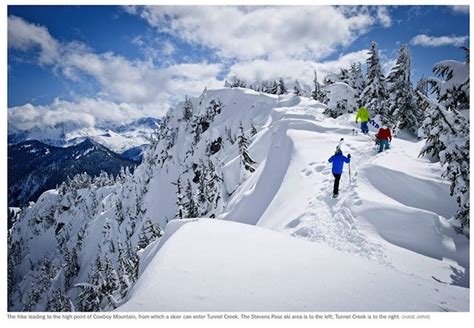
pixel 338 160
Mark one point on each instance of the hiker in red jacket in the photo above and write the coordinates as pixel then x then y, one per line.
pixel 383 137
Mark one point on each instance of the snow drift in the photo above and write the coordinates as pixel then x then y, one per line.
pixel 255 269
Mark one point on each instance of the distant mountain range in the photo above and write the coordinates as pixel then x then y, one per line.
pixel 34 167
pixel 116 137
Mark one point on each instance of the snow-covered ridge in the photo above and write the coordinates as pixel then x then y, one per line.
pixel 375 229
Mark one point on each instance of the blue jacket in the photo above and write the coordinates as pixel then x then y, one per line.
pixel 337 161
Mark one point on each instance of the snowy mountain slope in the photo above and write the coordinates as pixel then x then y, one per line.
pixel 392 212
pixel 34 167
pixel 385 222
pixel 255 269
pixel 116 137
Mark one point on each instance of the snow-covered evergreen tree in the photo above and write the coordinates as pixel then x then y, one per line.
pixel 281 87
pixel 318 94
pixel 58 302
pixel 237 82
pixel 71 267
pixel 190 206
pixel 374 96
pixel 246 161
pixel 341 99
pixel 402 110
pixel 451 84
pixel 213 188
pixel 187 109
pixel 180 214
pixel 273 89
pixel 420 94
pixel 297 88
pixel 356 79
pixel 344 76
pixel 446 128
pixel 448 141
pixel 253 129
pixel 455 162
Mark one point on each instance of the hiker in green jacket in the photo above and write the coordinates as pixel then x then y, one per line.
pixel 363 115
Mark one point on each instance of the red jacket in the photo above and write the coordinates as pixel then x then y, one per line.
pixel 384 134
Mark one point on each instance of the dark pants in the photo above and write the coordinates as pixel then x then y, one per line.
pixel 336 183
pixel 364 127
pixel 383 144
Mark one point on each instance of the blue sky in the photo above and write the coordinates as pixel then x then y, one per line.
pixel 144 59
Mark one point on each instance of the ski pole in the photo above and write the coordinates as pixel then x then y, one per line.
pixel 350 179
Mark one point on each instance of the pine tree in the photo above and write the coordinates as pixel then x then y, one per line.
pixel 373 97
pixel 314 93
pixel 238 83
pixel 318 94
pixel 71 267
pixel 402 110
pixel 14 258
pixel 134 261
pixel 421 92
pixel 119 213
pixel 281 90
pixel 12 279
pixel 356 79
pixel 273 88
pixel 109 282
pixel 58 302
pixel 180 214
pixel 297 88
pixel 266 87
pixel 190 205
pixel 344 76
pixel 143 240
pixel 89 298
pixel 434 123
pixel 451 84
pixel 245 158
pixel 213 188
pixel 124 271
pixel 46 274
pixel 34 296
pixel 253 129
pixel 455 162
pixel 201 202
pixel 448 141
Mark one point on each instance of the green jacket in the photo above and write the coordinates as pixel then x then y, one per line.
pixel 362 114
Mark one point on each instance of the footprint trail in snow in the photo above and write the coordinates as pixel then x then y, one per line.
pixel 330 220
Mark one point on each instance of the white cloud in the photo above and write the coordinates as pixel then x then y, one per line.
pixel 139 83
pixel 292 69
pixel 460 9
pixel 26 36
pixel 262 32
pixel 85 112
pixel 168 48
pixel 432 41
pixel 383 16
